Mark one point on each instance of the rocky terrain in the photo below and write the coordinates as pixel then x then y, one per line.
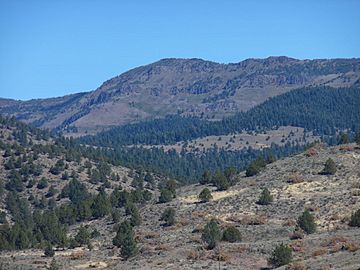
pixel 295 184
pixel 184 86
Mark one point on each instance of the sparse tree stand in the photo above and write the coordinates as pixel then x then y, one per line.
pixel 124 239
pixel 205 195
pixel 211 234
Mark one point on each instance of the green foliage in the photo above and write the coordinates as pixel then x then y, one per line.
pixel 330 167
pixel 135 219
pixel 205 195
pixel 265 197
pixel 101 205
pixel 306 222
pixel 165 196
pixel 43 183
pixel 355 219
pixel 231 234
pixel 281 255
pixel 168 216
pixel 49 251
pixel 205 178
pixel 220 181
pixel 344 138
pixel 82 237
pixel 357 137
pixel 211 234
pixel 255 166
pixel 125 240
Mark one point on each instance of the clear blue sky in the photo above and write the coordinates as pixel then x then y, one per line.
pixel 52 48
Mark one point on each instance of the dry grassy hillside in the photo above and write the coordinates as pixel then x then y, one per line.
pixel 295 184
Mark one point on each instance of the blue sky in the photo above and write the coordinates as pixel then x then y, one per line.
pixel 52 48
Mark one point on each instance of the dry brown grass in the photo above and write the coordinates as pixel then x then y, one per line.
pixel 355 192
pixel 77 255
pixel 289 222
pixel 346 148
pixel 352 246
pixel 221 255
pixel 296 266
pixel 334 241
pixel 151 235
pixel 297 246
pixel 163 247
pixel 319 252
pixel 196 254
pixel 311 152
pixel 295 179
pixel 252 219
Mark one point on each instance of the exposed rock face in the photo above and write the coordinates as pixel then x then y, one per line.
pixel 188 86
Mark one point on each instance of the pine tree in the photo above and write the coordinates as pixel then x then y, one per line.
pixel 306 222
pixel 231 234
pixel 330 167
pixel 355 219
pixel 211 234
pixel 265 197
pixel 124 239
pixel 282 255
pixel 165 196
pixel 205 178
pixel 205 195
pixel 168 216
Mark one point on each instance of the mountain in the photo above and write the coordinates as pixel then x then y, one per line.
pixel 74 219
pixel 182 86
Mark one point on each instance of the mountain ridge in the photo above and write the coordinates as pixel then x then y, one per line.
pixel 181 86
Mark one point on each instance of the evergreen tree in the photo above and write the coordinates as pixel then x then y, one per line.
pixel 125 240
pixel 168 216
pixel 205 195
pixel 135 219
pixel 306 222
pixel 265 197
pixel 165 196
pixel 357 137
pixel 205 178
pixel 82 237
pixel 231 234
pixel 211 234
pixel 355 219
pixel 330 167
pixel 282 255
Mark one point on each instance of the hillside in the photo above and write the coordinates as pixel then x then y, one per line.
pixel 185 86
pixel 295 184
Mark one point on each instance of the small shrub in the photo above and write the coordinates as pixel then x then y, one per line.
pixel 281 255
pixel 205 195
pixel 165 196
pixel 168 216
pixel 330 167
pixel 265 197
pixel 49 252
pixel 231 234
pixel 355 219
